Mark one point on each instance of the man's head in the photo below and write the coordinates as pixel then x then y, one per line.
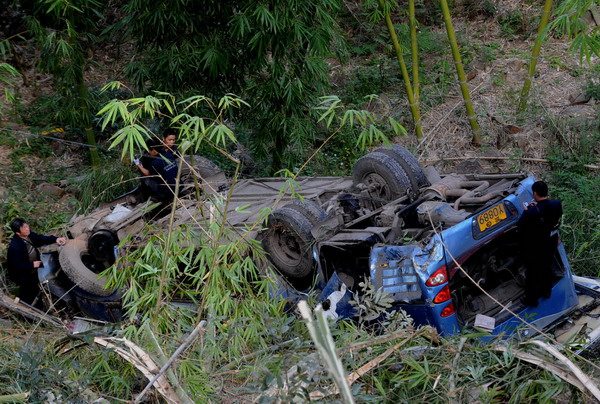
pixel 169 138
pixel 540 190
pixel 20 227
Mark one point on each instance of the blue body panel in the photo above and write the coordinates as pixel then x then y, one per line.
pixel 454 245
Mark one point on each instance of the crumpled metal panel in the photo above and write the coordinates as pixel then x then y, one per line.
pixel 402 270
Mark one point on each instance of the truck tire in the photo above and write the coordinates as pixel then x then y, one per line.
pixel 288 242
pixel 310 209
pixel 71 260
pixel 409 162
pixel 385 173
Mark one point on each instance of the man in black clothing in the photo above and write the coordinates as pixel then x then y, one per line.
pixel 23 258
pixel 536 224
pixel 163 167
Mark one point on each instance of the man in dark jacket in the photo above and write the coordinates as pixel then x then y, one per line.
pixel 538 246
pixel 23 258
pixel 165 166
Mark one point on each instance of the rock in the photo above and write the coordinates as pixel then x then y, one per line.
pixel 512 129
pixel 470 166
pixel 579 99
pixel 50 189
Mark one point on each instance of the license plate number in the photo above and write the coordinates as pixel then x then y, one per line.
pixel 491 217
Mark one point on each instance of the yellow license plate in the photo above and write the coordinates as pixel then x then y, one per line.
pixel 491 217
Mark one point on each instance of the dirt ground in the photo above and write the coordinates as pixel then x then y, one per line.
pixel 494 86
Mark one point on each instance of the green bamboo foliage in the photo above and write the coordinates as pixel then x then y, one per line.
pixel 414 49
pixel 414 106
pixel 534 57
pixel 464 88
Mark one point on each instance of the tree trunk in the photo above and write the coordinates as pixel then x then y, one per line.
pixel 534 58
pixel 414 106
pixel 414 49
pixel 462 78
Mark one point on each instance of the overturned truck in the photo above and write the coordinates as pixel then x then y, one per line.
pixel 444 246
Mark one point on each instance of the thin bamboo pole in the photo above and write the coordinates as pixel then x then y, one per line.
pixel 414 49
pixel 462 78
pixel 534 58
pixel 414 106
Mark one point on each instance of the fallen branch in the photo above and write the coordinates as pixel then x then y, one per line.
pixel 15 398
pixel 354 376
pixel 534 160
pixel 166 366
pixel 143 362
pixel 28 311
pixel 542 363
pixel 432 336
pixel 585 379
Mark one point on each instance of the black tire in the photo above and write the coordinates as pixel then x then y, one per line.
pixel 104 308
pixel 288 242
pixel 410 164
pixel 311 210
pixel 71 260
pixel 385 173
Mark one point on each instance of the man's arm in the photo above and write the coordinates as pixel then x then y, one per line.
pixel 142 169
pixel 39 240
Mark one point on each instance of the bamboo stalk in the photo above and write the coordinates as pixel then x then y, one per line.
pixel 534 57
pixel 462 78
pixel 414 49
pixel 169 362
pixel 163 272
pixel 414 106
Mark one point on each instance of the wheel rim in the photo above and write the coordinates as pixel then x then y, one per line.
pixel 288 249
pixel 378 186
pixel 101 245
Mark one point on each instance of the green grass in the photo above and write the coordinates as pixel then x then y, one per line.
pixel 577 186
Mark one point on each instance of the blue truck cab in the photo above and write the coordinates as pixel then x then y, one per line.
pixel 439 274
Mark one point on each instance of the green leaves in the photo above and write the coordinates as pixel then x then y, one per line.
pixel 569 21
pixel 133 138
pixel 195 129
pixel 363 121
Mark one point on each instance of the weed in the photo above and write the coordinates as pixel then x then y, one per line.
pixel 515 23
pixel 22 146
pixel 592 88
pixel 558 63
pixel 104 184
pixel 475 8
pixel 42 111
pixel 577 187
pixel 498 79
pixel 379 76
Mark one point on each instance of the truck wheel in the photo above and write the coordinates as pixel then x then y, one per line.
pixel 409 162
pixel 383 174
pixel 311 210
pixel 289 243
pixel 101 245
pixel 82 269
